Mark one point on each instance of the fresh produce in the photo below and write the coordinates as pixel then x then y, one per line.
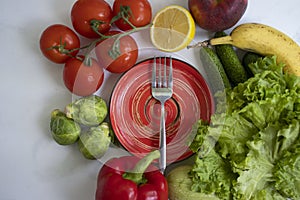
pixel 249 57
pixel 117 54
pixel 63 129
pixel 251 150
pixel 172 35
pixel 287 180
pixel 217 15
pixel 230 61
pixel 264 40
pixel 82 75
pixel 131 178
pixel 59 43
pixel 180 183
pixel 91 17
pixel 215 175
pixel 88 111
pixel 250 147
pixel 215 71
pixel 130 14
pixel 94 142
pixel 82 123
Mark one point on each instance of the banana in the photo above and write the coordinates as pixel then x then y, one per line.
pixel 264 40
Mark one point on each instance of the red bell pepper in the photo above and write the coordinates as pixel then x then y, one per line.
pixel 131 178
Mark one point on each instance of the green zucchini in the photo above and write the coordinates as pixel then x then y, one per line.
pixel 231 63
pixel 179 185
pixel 216 75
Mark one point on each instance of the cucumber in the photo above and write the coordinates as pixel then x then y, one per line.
pixel 231 63
pixel 250 57
pixel 217 77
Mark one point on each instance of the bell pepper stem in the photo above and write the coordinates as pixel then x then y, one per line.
pixel 136 175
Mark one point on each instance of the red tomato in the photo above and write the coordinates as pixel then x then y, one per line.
pixel 127 49
pixel 84 11
pixel 56 40
pixel 82 79
pixel 140 13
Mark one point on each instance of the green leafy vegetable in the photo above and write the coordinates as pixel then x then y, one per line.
pixel 64 130
pixel 251 150
pixel 88 111
pixel 287 173
pixel 212 175
pixel 94 142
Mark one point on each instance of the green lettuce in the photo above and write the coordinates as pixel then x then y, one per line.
pixel 212 175
pixel 251 148
pixel 266 63
pixel 287 169
pixel 269 193
pixel 287 174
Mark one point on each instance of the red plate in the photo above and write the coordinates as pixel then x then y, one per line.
pixel 135 114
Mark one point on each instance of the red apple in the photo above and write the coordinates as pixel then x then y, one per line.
pixel 217 15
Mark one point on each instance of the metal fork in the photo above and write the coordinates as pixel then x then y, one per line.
pixel 162 90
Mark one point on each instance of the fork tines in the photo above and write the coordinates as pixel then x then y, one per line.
pixel 160 77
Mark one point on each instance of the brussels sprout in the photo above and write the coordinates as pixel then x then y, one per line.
pixel 89 111
pixel 95 141
pixel 63 129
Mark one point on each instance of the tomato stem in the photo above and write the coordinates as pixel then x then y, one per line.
pixel 115 51
pixel 87 61
pixel 94 23
pixel 61 48
pixel 125 13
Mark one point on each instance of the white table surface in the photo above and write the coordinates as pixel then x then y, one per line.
pixel 32 165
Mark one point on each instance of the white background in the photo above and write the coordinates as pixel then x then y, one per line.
pixel 32 165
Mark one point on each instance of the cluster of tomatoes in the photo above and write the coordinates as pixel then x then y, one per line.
pixel 115 50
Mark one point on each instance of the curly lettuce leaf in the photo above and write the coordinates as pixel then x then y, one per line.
pixel 200 137
pixel 212 175
pixel 266 63
pixel 255 135
pixel 287 136
pixel 287 169
pixel 287 173
pixel 232 136
pixel 269 193
pixel 255 172
pixel 261 113
pixel 260 87
pixel 267 148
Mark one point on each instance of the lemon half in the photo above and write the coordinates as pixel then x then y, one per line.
pixel 173 28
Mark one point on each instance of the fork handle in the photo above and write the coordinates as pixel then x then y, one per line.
pixel 162 140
